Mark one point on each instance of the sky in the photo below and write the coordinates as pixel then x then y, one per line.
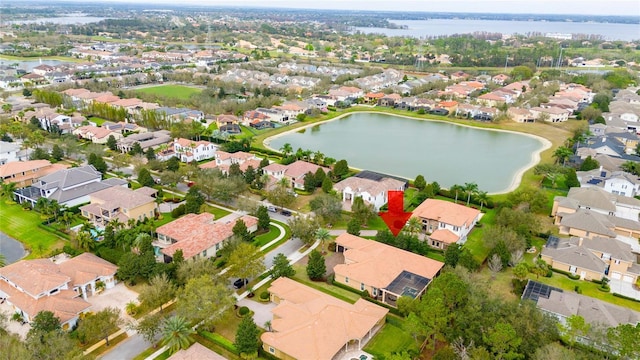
pixel 580 7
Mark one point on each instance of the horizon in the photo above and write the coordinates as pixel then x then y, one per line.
pixel 629 8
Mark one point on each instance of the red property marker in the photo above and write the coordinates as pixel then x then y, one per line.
pixel 395 218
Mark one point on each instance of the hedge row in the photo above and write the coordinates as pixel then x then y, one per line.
pixel 219 340
pixel 53 231
pixel 625 297
pixel 568 274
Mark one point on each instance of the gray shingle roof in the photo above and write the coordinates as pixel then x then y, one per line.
pixel 589 221
pixel 67 178
pixel 573 254
pixel 593 197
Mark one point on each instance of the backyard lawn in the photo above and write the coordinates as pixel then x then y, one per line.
pixel 23 225
pixel 339 293
pixel 391 339
pixel 171 91
pixel 99 121
pixel 474 243
pixel 216 211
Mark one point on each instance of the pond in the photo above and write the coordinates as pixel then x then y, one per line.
pixel 28 65
pixel 11 249
pixel 444 152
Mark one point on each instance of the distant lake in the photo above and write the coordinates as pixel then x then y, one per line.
pixel 440 151
pixel 28 65
pixel 11 249
pixel 436 27
pixel 62 20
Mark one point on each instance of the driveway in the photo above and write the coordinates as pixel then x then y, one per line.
pixel 288 248
pixel 116 297
pixel 624 288
pixel 261 311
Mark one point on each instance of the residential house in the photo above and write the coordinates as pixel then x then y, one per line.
pixel 372 98
pixel 346 93
pixel 563 305
pixel 520 115
pixel 25 173
pixel 146 140
pixel 445 222
pixel 32 286
pixel 614 182
pixel 389 100
pixel 274 115
pixel 97 135
pixel 373 191
pixel 223 160
pixel 254 117
pixel 450 106
pixel 384 271
pixel 597 129
pixel 197 235
pixel 120 203
pixel 10 152
pixel 309 324
pixel 43 69
pixel 589 224
pixel 550 114
pixel 598 200
pixel 294 173
pixel 500 79
pixel 592 258
pixel 228 123
pixel 492 99
pixel 189 150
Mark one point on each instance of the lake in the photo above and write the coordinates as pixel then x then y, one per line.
pixel 28 65
pixel 70 19
pixel 437 27
pixel 443 152
pixel 11 249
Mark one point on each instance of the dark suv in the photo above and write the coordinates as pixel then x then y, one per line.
pixel 240 283
pixel 285 212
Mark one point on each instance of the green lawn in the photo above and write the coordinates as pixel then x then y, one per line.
pixel 390 339
pixel 265 238
pixel 166 218
pixel 172 91
pixel 23 225
pixel 286 237
pixel 217 212
pixel 98 120
pixel 475 243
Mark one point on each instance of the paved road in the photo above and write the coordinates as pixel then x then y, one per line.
pixel 128 349
pixel 288 248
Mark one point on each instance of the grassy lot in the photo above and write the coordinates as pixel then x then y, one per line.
pixel 23 225
pixel 265 238
pixel 227 325
pixel 216 211
pixel 375 223
pixel 339 293
pixel 164 219
pixel 391 339
pixel 287 236
pixel 98 120
pixel 475 243
pixel 171 91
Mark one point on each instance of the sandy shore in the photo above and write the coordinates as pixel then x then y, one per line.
pixel 515 181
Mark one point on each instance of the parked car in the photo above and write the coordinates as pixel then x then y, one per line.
pixel 285 212
pixel 240 283
pixel 272 208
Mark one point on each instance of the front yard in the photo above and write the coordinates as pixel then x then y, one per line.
pixel 391 339
pixel 25 226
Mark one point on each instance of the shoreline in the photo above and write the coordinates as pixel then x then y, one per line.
pixel 515 181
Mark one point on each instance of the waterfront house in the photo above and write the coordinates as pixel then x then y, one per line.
pixel 25 173
pixel 372 191
pixel 445 222
pixel 120 203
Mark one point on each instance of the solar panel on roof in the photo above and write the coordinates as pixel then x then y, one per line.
pixel 552 242
pixel 534 290
pixel 603 173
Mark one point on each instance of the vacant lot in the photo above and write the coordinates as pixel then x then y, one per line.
pixel 171 91
pixel 23 225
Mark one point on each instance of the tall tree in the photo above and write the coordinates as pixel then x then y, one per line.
pixel 247 340
pixel 99 325
pixel 470 189
pixel 159 291
pixel 322 235
pixel 362 211
pixel 44 322
pixel 327 207
pixel 340 169
pixel 456 189
pixel 193 200
pixel 176 333
pixel 625 338
pixel 420 183
pixel 204 299
pixel 56 153
pixel 316 266
pixel 303 228
pixel 281 267
pixel 145 178
pixel 112 143
pixel 149 327
pixel 281 195
pixel 561 154
pixel 263 218
pixel 240 230
pixel 246 261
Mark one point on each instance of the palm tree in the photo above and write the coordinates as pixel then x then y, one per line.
pixel 139 241
pixel 318 157
pixel 470 189
pixel 8 189
pixel 323 235
pixel 84 240
pixel 628 166
pixel 286 149
pixel 413 226
pixel 41 205
pixel 456 188
pixel 176 333
pixel 67 216
pixel 482 198
pixel 562 154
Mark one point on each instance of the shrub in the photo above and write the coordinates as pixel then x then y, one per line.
pixel 332 246
pixel 604 288
pixel 330 279
pixel 243 311
pixel 578 289
pixel 264 295
pixel 364 294
pixel 625 297
pixel 179 211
